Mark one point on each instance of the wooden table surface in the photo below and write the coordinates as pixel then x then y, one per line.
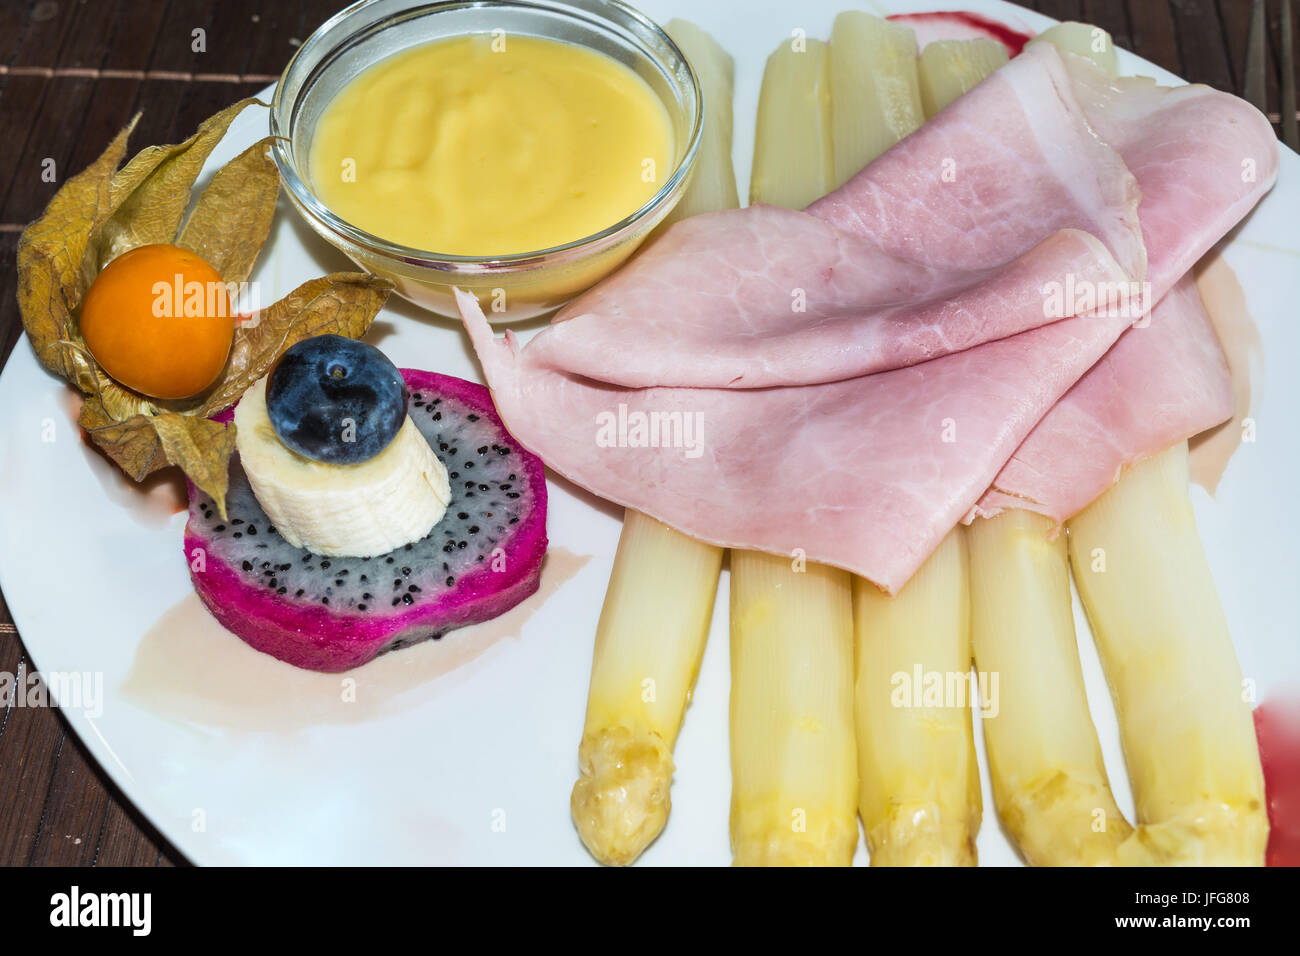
pixel 71 74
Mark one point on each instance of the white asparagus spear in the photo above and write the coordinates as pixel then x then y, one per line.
pixel 1185 720
pixel 1045 760
pixel 875 90
pixel 713 183
pixel 949 68
pixel 793 158
pixel 920 800
pixel 651 636
pixel 793 785
pixel 1083 39
pixel 793 781
pixel 659 604
pixel 920 789
pixel 1049 781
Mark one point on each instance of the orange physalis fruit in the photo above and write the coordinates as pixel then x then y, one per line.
pixel 159 320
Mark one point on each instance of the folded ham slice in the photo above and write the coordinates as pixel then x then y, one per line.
pixel 868 473
pixel 826 306
pixel 1163 382
pixel 860 430
pixel 1167 381
pixel 1015 160
pixel 1202 160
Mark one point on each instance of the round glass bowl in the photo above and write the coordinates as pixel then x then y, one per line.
pixel 525 284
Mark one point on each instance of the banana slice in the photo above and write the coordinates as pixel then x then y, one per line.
pixel 341 510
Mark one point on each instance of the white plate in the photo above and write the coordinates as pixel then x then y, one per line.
pixel 464 751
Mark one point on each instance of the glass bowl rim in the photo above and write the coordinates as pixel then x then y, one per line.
pixel 307 200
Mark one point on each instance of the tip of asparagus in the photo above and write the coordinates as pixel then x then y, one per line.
pixel 763 835
pixel 620 802
pixel 1210 834
pixel 923 835
pixel 1064 818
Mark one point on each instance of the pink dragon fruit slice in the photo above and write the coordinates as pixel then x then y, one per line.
pixel 332 614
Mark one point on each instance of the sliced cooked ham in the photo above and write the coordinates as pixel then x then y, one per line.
pixel 1164 381
pixel 868 473
pixel 692 311
pixel 1013 161
pixel 1202 160
pixel 1167 381
pixel 686 386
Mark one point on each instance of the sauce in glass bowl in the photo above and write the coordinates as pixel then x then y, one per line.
pixel 488 146
pixel 458 150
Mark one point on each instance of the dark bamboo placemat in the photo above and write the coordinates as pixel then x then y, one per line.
pixel 72 73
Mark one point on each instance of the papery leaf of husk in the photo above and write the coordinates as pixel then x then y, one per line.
pixel 153 189
pixel 142 444
pixel 233 215
pixel 120 401
pixel 50 254
pixel 342 303
pixel 131 442
pixel 202 448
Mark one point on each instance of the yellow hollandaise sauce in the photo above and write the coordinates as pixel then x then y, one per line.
pixel 488 145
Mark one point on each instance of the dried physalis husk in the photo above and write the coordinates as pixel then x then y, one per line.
pixel 103 212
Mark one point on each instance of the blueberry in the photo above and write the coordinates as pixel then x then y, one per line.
pixel 335 399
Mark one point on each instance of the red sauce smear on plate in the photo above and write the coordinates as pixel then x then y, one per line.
pixel 960 25
pixel 1277 727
